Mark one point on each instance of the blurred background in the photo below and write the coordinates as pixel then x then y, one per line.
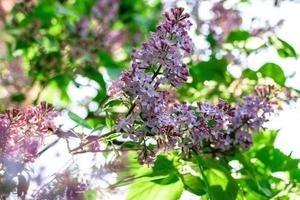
pixel 67 52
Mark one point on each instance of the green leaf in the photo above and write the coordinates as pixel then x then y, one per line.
pixel 211 40
pixel 193 184
pixel 95 75
pixel 221 183
pixel 163 165
pixel 169 188
pixel 112 103
pixel 113 68
pixel 18 97
pixel 213 69
pixel 61 82
pixel 107 60
pixel 237 35
pixel 275 160
pixel 90 195
pixel 248 73
pixel 83 7
pixel 62 10
pixel 159 182
pixel 108 120
pixel 44 12
pixel 130 144
pixel 295 175
pixel 79 120
pixel 285 50
pixel 273 71
pixel 264 138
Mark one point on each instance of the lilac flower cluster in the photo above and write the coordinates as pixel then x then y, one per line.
pixel 22 132
pixel 224 20
pixel 154 114
pixel 63 186
pixel 159 61
pixel 261 28
pixel 13 79
pixel 167 47
pixel 95 31
pixel 105 10
pixel 224 126
pixel 16 75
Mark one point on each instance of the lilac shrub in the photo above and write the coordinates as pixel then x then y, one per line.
pixel 156 120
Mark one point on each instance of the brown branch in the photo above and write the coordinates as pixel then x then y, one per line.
pixel 92 141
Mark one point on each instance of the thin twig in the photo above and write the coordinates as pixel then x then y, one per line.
pixel 48 147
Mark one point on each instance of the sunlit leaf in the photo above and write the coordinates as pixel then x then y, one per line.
pixel 90 195
pixel 221 184
pixel 284 49
pixel 237 35
pixel 276 160
pixel 78 120
pixel 169 188
pixel 273 71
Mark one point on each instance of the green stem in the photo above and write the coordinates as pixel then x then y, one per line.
pixel 153 78
pixel 156 73
pixel 131 109
pixel 201 164
pixel 91 141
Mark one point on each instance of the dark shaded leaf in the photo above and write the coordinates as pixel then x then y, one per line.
pixel 276 160
pixel 248 73
pixel 213 69
pixel 18 97
pixel 95 75
pixel 193 184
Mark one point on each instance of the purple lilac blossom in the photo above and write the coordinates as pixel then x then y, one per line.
pixel 96 29
pixel 63 186
pixel 224 20
pixel 159 61
pixel 154 114
pixel 22 132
